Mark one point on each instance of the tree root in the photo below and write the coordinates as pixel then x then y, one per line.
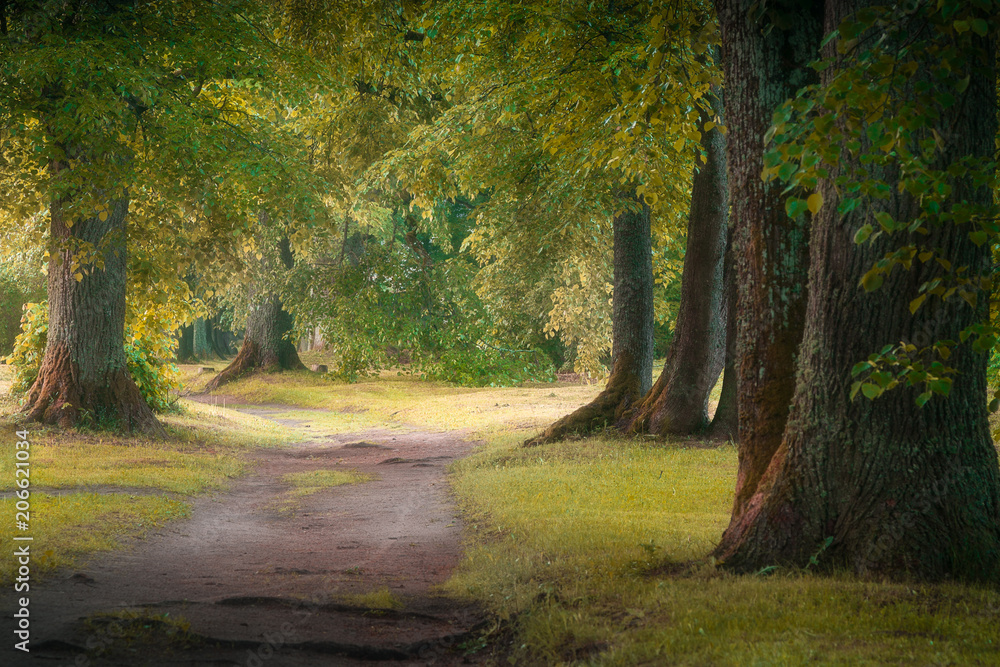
pixel 253 358
pixel 607 409
pixel 60 397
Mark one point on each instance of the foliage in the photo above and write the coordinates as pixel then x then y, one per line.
pixel 29 346
pixel 889 111
pixel 147 353
pixel 392 305
pixel 20 282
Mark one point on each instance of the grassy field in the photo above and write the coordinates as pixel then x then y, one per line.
pixel 585 552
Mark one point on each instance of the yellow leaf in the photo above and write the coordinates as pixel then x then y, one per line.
pixel 102 216
pixel 679 145
pixel 814 202
pixel 916 303
pixel 78 276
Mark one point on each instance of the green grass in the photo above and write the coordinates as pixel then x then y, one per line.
pixel 64 528
pixel 313 481
pixel 379 599
pixel 590 551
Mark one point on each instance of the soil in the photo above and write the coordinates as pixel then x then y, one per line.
pixel 265 579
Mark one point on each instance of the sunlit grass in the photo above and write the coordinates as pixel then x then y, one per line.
pixel 205 450
pixel 64 528
pixel 409 402
pixel 379 599
pixel 595 552
pixel 313 481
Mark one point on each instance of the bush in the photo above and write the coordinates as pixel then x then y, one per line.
pixel 146 352
pixel 18 285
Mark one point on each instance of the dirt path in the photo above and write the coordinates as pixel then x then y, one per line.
pixel 264 581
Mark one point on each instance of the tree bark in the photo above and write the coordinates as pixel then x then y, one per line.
pixel 266 347
pixel 764 62
pixel 725 422
pixel 885 487
pixel 84 375
pixel 678 402
pixel 202 350
pixel 631 329
pixel 185 344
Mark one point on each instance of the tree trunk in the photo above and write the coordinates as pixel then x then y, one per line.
pixel 885 487
pixel 765 62
pixel 266 346
pixel 725 422
pixel 631 329
pixel 185 344
pixel 200 343
pixel 83 375
pixel 678 402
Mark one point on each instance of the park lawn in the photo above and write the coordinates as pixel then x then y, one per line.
pixel 593 552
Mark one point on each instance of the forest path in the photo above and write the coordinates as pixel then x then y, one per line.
pixel 265 578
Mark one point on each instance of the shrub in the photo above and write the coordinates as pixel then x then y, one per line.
pixel 146 354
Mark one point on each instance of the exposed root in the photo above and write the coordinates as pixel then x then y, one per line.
pixel 60 397
pixel 607 409
pixel 253 358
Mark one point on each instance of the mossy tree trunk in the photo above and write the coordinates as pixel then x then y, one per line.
pixel 765 62
pixel 631 329
pixel 678 402
pixel 202 349
pixel 885 487
pixel 266 346
pixel 83 374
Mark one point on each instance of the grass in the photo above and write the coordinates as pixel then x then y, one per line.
pixel 66 527
pixel 581 548
pixel 379 599
pixel 403 402
pixel 313 481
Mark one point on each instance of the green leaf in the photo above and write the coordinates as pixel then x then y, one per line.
pixel 871 391
pixel 862 234
pixel 795 207
pixel 871 281
pixel 923 398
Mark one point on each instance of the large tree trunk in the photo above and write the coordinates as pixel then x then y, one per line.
pixel 631 329
pixel 678 402
pixel 885 487
pixel 266 347
pixel 764 62
pixel 725 422
pixel 83 372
